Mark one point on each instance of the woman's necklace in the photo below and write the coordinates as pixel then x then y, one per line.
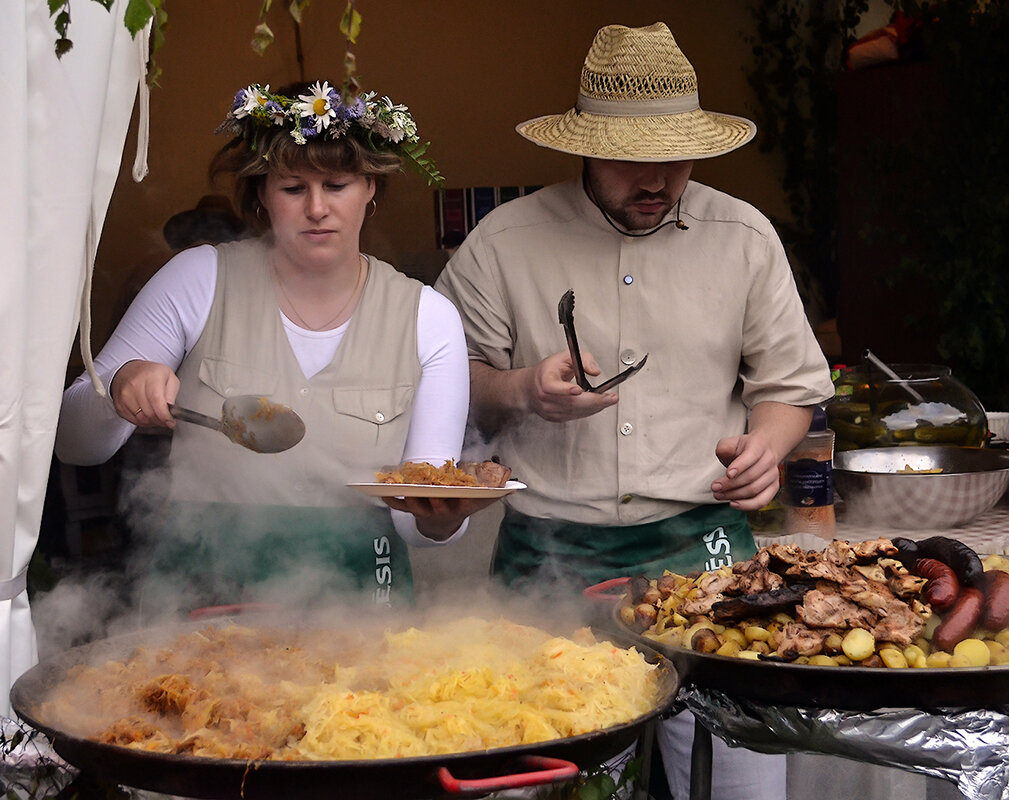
pixel 300 319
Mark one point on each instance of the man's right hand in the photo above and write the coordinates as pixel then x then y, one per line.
pixel 553 396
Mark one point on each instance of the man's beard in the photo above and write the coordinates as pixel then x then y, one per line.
pixel 634 220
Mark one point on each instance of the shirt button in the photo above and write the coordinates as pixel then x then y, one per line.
pixel 229 391
pixel 628 279
pixel 379 416
pixel 303 391
pixel 625 499
pixel 627 429
pixel 627 357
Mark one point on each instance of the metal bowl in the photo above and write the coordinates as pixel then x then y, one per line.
pixel 888 486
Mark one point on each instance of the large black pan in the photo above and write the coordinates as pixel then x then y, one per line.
pixel 474 773
pixel 842 688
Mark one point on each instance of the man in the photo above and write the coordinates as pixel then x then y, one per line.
pixel 658 473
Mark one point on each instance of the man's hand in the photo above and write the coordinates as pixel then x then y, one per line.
pixel 751 474
pixel 751 460
pixel 141 392
pixel 553 396
pixel 499 397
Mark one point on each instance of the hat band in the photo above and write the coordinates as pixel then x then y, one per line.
pixel 637 108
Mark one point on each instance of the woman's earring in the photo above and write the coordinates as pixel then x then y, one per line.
pixel 374 208
pixel 259 214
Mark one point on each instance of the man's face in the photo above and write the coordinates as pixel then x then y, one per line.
pixel 637 194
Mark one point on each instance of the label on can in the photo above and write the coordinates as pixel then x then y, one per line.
pixel 809 482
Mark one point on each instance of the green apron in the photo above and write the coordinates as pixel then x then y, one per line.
pixel 703 538
pixel 215 554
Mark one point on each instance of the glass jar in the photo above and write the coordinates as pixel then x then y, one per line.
pixel 924 405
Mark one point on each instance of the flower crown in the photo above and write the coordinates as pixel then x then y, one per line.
pixel 324 114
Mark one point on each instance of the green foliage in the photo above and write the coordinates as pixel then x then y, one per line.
pixel 414 155
pixel 798 50
pixel 140 12
pixel 952 221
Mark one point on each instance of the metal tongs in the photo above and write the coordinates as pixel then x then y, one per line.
pixel 566 316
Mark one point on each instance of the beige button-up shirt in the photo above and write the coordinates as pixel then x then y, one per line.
pixel 715 308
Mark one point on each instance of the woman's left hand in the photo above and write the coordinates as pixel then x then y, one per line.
pixel 439 517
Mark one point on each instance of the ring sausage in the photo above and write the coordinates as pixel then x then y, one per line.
pixel 996 600
pixel 964 561
pixel 959 622
pixel 943 587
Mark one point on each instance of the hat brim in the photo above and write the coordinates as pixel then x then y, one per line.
pixel 672 137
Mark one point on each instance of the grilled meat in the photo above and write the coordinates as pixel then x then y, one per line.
pixel 751 605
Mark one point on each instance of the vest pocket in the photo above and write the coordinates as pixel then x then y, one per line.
pixel 230 380
pixel 375 417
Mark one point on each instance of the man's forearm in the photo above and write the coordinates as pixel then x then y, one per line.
pixel 497 396
pixel 782 426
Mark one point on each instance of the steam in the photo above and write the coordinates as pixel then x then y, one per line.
pixel 148 590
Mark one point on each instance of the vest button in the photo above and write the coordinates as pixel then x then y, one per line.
pixel 628 280
pixel 627 357
pixel 625 499
pixel 379 416
pixel 303 391
pixel 627 429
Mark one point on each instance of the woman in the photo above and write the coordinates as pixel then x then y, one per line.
pixel 374 362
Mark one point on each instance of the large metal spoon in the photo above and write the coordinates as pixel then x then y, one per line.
pixel 251 421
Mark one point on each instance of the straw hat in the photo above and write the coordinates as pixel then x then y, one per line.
pixel 637 101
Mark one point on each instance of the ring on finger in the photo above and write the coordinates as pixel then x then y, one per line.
pixel 138 412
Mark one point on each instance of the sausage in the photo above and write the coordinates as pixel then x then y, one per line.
pixel 943 587
pixel 964 561
pixel 907 551
pixel 996 600
pixel 959 622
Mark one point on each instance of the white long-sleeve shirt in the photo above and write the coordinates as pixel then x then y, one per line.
pixel 167 318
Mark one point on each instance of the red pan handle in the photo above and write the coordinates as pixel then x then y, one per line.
pixel 548 770
pixel 600 592
pixel 229 610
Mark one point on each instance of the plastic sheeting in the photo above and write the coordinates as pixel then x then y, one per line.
pixel 62 134
pixel 967 747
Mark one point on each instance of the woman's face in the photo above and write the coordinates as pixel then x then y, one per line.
pixel 316 217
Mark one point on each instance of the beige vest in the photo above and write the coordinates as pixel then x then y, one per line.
pixel 357 410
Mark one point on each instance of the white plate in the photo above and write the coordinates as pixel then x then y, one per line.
pixel 426 490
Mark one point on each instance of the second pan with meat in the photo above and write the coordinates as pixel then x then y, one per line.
pixel 856 626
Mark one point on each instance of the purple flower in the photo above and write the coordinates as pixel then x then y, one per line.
pixel 354 111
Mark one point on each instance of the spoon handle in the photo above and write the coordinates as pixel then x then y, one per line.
pixel 186 415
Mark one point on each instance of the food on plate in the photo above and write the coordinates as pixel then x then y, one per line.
pixel 467 473
pixel 884 603
pixel 942 588
pixel 996 600
pixel 960 620
pixel 258 693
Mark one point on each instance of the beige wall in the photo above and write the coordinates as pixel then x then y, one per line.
pixel 470 71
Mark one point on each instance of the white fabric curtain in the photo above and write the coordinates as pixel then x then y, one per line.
pixel 61 133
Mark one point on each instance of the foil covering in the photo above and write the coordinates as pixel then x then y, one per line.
pixel 968 747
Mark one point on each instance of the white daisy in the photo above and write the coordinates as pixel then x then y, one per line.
pixel 319 104
pixel 249 99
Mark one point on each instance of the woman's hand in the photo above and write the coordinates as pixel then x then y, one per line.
pixel 439 517
pixel 141 392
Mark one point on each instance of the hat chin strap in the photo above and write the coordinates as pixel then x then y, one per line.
pixel 637 234
pixel 637 108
